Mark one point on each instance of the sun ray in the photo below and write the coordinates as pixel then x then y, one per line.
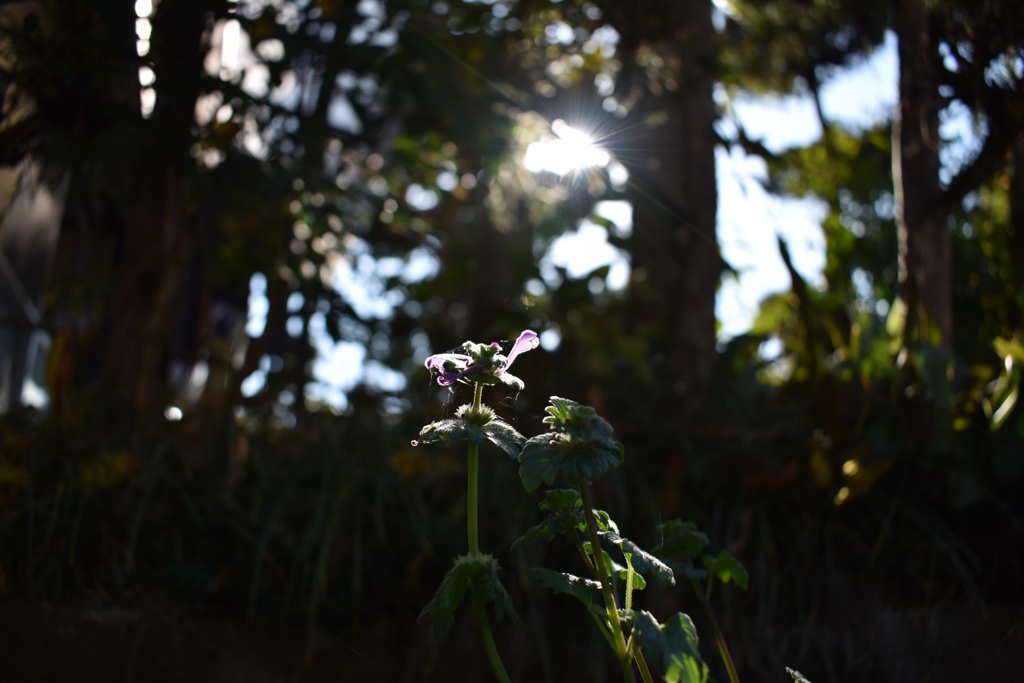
pixel 570 150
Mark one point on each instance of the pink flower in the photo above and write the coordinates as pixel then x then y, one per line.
pixel 481 361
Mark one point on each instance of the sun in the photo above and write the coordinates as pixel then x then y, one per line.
pixel 571 150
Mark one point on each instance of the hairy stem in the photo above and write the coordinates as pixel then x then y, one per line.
pixel 473 499
pixel 484 626
pixel 612 609
pixel 473 485
pixel 473 540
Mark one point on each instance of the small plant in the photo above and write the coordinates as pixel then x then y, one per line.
pixel 577 449
pixel 478 365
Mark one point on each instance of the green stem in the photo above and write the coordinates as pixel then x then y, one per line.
pixel 638 655
pixel 473 540
pixel 473 500
pixel 473 485
pixel 641 664
pixel 587 562
pixel 484 625
pixel 612 609
pixel 723 647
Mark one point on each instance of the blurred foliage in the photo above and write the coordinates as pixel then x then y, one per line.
pixel 363 172
pixel 778 46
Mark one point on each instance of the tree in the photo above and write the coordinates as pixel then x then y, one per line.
pixel 948 54
pixel 642 87
pixel 669 151
pixel 226 157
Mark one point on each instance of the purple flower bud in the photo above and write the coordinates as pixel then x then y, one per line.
pixel 527 341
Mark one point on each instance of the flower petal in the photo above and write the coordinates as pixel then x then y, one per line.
pixel 453 376
pixel 438 360
pixel 527 341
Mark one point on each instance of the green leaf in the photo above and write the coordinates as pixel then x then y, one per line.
pixel 682 539
pixel 556 525
pixel 797 676
pixel 674 642
pixel 643 561
pixel 1009 349
pixel 562 500
pixel 611 567
pixel 578 420
pixel 564 507
pixel 579 447
pixel 478 573
pixel 585 590
pixel 1004 410
pixel 726 569
pixel 511 381
pixel 605 522
pixel 638 581
pixel 682 543
pixel 545 459
pixel 504 436
pixel 442 431
pixel 475 426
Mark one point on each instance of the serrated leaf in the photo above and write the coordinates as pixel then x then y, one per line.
pixel 494 592
pixel 681 544
pixel 797 676
pixel 476 429
pixel 548 457
pixel 579 447
pixel 547 530
pixel 475 572
pixel 504 436
pixel 605 522
pixel 442 431
pixel 578 421
pixel 566 415
pixel 642 561
pixel 583 589
pixel 564 507
pixel 562 500
pixel 674 642
pixel 727 569
pixel 683 539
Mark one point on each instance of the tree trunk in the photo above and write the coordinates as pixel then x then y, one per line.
pixel 156 242
pixel 674 197
pixel 924 240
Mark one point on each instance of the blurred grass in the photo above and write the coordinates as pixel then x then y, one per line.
pixel 340 524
